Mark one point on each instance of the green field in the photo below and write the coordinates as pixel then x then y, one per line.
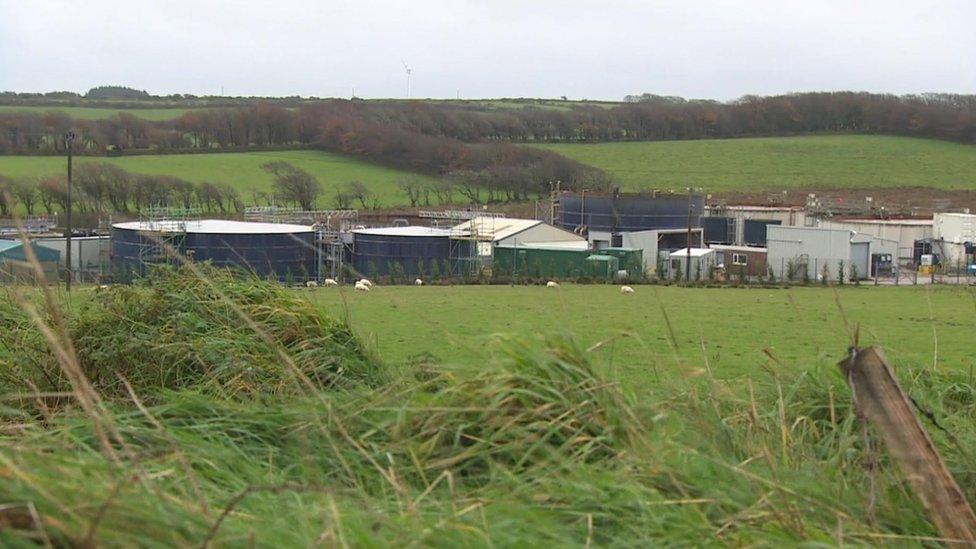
pixel 242 170
pixel 96 113
pixel 678 417
pixel 780 163
pixel 801 326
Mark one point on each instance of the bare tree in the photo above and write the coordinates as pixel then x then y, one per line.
pixel 412 188
pixel 7 199
pixel 53 191
pixel 294 184
pixel 26 192
pixel 359 191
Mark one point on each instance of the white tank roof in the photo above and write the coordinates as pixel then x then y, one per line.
pixel 404 231
pixel 214 226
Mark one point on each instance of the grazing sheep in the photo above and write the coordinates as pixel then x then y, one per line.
pixel 626 290
pixel 330 282
pixel 418 282
pixel 552 284
pixel 365 282
pixel 312 284
pixel 102 287
pixel 360 287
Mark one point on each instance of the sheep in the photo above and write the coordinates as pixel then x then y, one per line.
pixel 360 287
pixel 330 282
pixel 626 290
pixel 312 284
pixel 418 282
pixel 365 282
pixel 552 284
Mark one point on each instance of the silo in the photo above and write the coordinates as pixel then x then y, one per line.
pixel 269 250
pixel 628 212
pixel 414 249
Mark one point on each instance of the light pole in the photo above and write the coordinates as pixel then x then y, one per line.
pixel 69 139
pixel 688 241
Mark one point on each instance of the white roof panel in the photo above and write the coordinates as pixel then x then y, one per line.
pixel 562 244
pixel 404 231
pixel 496 228
pixel 214 226
pixel 695 252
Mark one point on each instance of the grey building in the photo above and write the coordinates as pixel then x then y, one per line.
pixel 820 251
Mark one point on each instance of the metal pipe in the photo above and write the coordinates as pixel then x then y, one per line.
pixel 69 142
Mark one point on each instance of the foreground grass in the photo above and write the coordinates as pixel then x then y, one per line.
pixel 780 163
pixel 242 170
pixel 532 440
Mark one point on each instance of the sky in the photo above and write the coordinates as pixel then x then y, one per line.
pixel 600 49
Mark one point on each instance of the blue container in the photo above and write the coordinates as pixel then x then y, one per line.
pixel 414 249
pixel 268 250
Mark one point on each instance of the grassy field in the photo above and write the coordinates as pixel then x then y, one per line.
pixel 95 113
pixel 474 428
pixel 242 170
pixel 780 163
pixel 801 327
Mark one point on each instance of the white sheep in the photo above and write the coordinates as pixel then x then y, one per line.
pixel 330 282
pixel 552 284
pixel 312 284
pixel 626 290
pixel 418 282
pixel 365 282
pixel 360 287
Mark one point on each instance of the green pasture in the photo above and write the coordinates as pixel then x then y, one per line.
pixel 738 332
pixel 242 170
pixel 781 163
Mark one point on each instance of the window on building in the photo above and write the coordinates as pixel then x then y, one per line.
pixel 740 259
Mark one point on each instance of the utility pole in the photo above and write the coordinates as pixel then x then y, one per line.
pixel 69 143
pixel 688 240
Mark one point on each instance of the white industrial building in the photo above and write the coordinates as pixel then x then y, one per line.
pixel 655 244
pixel 953 237
pixel 90 255
pixel 517 233
pixel 820 251
pixel 903 231
pixel 697 261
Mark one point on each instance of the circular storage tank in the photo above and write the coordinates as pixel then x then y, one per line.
pixel 274 250
pixel 375 251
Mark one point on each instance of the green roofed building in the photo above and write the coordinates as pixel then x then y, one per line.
pixel 14 265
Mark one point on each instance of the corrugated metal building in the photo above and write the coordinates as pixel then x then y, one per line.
pixel 953 237
pixel 904 231
pixel 655 245
pixel 14 265
pixel 795 249
pixel 90 255
pixel 737 217
pixel 507 231
pixel 542 262
pixel 616 213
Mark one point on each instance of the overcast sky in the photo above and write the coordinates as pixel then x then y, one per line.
pixel 598 49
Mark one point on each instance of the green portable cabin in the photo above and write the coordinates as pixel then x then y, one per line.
pixel 15 267
pixel 542 262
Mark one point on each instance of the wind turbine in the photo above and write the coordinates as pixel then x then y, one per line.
pixel 409 72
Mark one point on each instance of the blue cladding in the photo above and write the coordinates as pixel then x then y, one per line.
pixel 718 230
pixel 628 213
pixel 374 254
pixel 278 255
pixel 754 231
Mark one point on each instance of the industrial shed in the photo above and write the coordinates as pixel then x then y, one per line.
pixel 905 232
pixel 795 249
pixel 506 231
pixel 953 238
pixel 411 250
pixel 90 255
pixel 14 264
pixel 741 260
pixel 741 224
pixel 275 250
pixel 697 261
pixel 542 262
pixel 655 244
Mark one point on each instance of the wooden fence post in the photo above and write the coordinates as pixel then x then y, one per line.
pixel 887 408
